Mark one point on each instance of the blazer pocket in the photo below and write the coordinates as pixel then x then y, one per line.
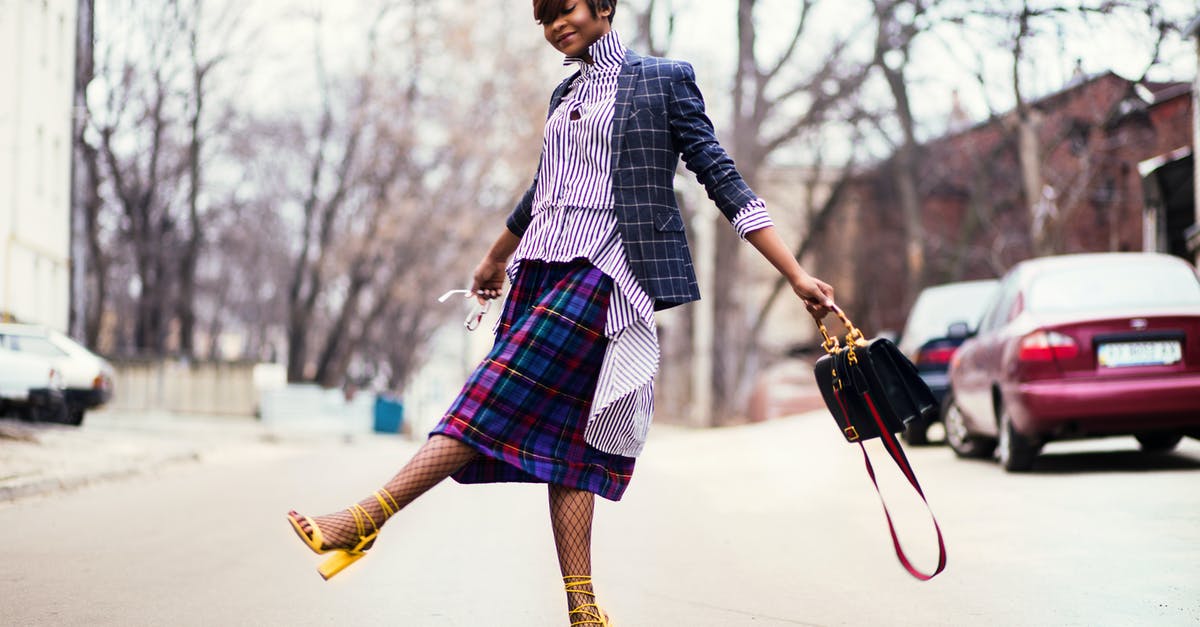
pixel 648 117
pixel 668 221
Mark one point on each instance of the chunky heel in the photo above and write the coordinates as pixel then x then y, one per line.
pixel 338 562
pixel 342 556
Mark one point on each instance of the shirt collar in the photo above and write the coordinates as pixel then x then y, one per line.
pixel 607 52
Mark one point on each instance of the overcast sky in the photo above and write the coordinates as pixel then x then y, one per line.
pixel 705 35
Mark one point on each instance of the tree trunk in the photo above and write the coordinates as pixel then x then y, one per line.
pixel 185 307
pixel 893 37
pixel 727 323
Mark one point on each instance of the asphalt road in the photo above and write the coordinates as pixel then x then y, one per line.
pixel 767 525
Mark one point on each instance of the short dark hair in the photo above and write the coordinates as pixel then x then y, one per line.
pixel 545 11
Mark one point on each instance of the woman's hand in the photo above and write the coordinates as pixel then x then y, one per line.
pixel 488 280
pixel 816 294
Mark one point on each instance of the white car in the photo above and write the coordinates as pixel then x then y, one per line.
pixel 31 388
pixel 86 377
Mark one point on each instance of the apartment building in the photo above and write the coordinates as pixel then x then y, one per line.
pixel 37 59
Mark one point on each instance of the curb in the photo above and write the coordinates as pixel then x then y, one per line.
pixel 47 485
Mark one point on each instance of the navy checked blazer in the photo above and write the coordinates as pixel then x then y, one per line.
pixel 659 116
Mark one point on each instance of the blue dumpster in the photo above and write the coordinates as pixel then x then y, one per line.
pixel 389 414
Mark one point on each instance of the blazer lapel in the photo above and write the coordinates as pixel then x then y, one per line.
pixel 559 91
pixel 624 101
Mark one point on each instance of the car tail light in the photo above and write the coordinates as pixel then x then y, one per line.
pixel 1047 346
pixel 936 356
pixel 101 382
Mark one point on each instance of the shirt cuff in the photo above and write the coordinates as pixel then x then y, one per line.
pixel 751 218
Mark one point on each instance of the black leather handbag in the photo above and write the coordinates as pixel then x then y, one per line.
pixel 870 386
pixel 872 390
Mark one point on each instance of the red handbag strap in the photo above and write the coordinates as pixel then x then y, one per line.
pixel 897 454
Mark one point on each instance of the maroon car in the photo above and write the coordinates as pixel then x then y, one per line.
pixel 1080 346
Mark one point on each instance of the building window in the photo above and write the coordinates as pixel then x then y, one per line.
pixel 39 162
pixel 45 32
pixel 1077 137
pixel 62 45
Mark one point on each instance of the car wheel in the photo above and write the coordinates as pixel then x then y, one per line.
pixel 75 415
pixel 916 431
pixel 1158 442
pixel 55 414
pixel 1015 451
pixel 960 440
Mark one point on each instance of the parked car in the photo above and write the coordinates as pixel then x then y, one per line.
pixel 1080 346
pixel 31 388
pixel 940 320
pixel 87 377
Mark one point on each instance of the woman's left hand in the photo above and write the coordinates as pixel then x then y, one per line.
pixel 816 294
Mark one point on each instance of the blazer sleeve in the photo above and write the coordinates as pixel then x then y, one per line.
pixel 695 139
pixel 522 214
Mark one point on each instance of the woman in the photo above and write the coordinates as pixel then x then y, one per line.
pixel 593 248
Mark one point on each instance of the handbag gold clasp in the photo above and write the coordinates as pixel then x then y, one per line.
pixel 830 345
pixel 853 335
pixel 851 433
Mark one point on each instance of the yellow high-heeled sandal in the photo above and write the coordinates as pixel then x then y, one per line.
pixel 591 612
pixel 344 557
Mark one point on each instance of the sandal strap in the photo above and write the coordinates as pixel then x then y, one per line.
pixel 362 518
pixel 384 497
pixel 591 612
pixel 577 583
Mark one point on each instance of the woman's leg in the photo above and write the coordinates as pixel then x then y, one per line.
pixel 571 518
pixel 437 459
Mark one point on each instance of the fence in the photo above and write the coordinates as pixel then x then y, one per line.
pixel 229 388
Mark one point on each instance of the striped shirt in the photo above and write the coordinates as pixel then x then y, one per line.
pixel 573 217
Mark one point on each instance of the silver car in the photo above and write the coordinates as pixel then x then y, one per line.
pixel 31 388
pixel 87 378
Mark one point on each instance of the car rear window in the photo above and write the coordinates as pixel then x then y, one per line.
pixel 1130 283
pixel 34 345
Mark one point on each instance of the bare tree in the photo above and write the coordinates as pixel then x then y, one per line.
pixel 202 62
pixel 142 148
pixel 1049 208
pixel 137 153
pixel 897 24
pixel 776 101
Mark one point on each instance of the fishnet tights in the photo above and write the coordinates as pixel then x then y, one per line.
pixel 437 459
pixel 571 518
pixel 571 511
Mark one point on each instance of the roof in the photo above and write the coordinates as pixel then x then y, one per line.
pixel 1046 101
pixel 1079 260
pixel 1161 92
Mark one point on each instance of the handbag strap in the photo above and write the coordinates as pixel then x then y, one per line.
pixel 897 454
pixel 895 451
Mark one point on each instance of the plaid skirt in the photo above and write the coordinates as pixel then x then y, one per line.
pixel 525 408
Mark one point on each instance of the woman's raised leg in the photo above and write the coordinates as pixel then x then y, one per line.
pixel 437 459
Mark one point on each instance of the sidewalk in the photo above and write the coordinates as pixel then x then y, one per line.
pixel 38 459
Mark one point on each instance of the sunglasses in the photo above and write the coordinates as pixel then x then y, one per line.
pixel 477 312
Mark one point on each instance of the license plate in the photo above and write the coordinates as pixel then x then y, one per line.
pixel 1122 354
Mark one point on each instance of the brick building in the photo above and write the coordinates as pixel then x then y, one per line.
pixel 1092 135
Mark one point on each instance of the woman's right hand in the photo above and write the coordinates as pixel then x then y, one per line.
pixel 816 294
pixel 488 281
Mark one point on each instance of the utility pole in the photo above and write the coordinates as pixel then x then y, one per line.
pixel 85 32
